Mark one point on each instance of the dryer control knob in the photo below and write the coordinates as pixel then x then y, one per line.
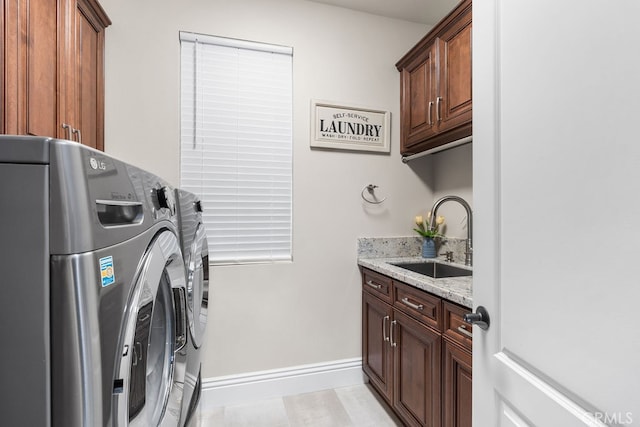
pixel 164 198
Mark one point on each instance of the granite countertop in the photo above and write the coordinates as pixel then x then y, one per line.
pixel 371 256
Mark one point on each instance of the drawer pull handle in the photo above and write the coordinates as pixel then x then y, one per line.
pixel 463 331
pixel 374 285
pixel 385 337
pixel 412 305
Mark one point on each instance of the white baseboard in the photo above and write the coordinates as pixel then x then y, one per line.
pixel 253 386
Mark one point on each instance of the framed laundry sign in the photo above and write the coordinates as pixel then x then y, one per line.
pixel 347 127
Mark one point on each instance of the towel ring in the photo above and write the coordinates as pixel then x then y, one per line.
pixel 371 188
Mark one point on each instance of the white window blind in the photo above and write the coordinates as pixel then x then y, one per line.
pixel 236 144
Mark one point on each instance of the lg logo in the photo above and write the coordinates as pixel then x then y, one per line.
pixel 95 164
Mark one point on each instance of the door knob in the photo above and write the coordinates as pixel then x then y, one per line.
pixel 479 318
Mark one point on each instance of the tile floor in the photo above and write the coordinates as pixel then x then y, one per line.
pixel 355 406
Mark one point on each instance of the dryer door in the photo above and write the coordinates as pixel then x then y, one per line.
pixel 154 330
pixel 198 285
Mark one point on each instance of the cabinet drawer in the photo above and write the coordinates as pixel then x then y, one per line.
pixel 419 304
pixel 377 284
pixel 454 327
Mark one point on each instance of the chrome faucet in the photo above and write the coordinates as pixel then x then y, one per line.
pixel 468 254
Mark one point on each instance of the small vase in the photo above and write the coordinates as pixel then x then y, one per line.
pixel 428 248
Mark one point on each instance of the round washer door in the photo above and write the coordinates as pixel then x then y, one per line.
pixel 198 285
pixel 154 329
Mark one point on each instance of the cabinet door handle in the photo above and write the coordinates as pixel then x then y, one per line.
pixel 408 303
pixel 393 343
pixel 429 115
pixel 373 285
pixel 463 331
pixel 438 102
pixel 385 337
pixel 77 132
pixel 67 128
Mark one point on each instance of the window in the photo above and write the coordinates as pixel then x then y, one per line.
pixel 236 144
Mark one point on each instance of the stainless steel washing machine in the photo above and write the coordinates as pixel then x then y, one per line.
pixel 196 255
pixel 93 289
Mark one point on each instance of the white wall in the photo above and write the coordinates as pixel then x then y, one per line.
pixel 452 171
pixel 277 315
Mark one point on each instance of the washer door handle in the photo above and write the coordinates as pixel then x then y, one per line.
pixel 137 353
pixel 179 303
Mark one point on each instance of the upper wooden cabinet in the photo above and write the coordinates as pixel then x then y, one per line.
pixel 53 69
pixel 435 85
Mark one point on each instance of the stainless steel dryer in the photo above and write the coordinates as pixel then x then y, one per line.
pixel 93 288
pixel 196 256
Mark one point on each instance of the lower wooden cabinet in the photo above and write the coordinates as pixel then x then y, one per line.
pixel 376 354
pixel 456 385
pixel 414 354
pixel 416 371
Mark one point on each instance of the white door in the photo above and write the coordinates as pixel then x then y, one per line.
pixel 556 155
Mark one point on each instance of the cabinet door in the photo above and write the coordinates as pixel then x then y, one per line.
pixel 419 81
pixel 453 107
pixel 417 372
pixel 457 386
pixel 87 95
pixel 376 353
pixel 31 68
